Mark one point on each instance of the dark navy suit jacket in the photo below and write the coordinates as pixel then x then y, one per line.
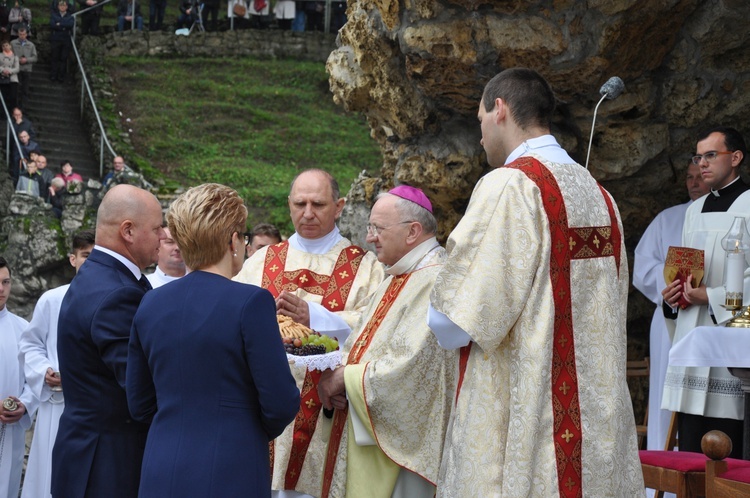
pixel 207 363
pixel 99 447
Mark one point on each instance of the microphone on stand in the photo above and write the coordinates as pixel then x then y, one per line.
pixel 610 90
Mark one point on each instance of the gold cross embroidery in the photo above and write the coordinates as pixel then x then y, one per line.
pixel 570 484
pixel 563 341
pixel 274 268
pixel 311 403
pixel 564 388
pixel 571 243
pixel 344 274
pixel 567 436
pixel 303 279
pixel 561 293
pixel 333 303
pixel 558 246
pixel 355 250
pixel 596 241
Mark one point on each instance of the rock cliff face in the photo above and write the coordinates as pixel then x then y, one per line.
pixel 416 69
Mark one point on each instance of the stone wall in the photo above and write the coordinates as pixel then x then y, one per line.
pixel 262 44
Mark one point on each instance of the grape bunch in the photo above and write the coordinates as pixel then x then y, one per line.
pixel 306 350
pixel 313 344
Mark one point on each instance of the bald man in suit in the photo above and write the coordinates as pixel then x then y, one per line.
pixel 99 448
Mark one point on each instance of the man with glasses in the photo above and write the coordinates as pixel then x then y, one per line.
pixel 393 358
pixel 320 279
pixel 648 277
pixel 709 398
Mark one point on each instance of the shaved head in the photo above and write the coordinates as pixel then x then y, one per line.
pixel 129 222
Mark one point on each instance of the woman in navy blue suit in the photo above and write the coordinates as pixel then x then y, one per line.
pixel 206 365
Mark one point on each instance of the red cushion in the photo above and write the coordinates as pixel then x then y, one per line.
pixel 737 470
pixel 682 461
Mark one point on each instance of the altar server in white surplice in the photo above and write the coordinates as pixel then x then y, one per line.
pixel 17 402
pixel 39 348
pixel 319 279
pixel 535 290
pixel 648 277
pixel 170 266
pixel 709 398
pixel 387 439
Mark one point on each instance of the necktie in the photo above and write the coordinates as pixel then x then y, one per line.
pixel 145 283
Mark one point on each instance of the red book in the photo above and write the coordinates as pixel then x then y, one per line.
pixel 681 262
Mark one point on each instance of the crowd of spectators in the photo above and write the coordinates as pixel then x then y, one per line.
pixel 31 176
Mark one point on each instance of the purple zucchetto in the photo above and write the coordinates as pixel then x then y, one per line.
pixel 412 194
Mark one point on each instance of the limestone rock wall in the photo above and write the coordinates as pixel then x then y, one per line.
pixel 416 70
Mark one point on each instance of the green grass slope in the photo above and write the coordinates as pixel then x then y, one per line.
pixel 249 124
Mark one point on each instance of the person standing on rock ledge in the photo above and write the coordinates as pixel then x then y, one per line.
pixel 534 292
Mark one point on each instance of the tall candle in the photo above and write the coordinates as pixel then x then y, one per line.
pixel 735 272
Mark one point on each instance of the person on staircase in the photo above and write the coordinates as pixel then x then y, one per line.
pixel 62 26
pixel 25 50
pixel 67 173
pixel 90 18
pixel 26 146
pixel 18 17
pixel 8 76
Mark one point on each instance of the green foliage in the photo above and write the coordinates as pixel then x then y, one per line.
pixel 249 124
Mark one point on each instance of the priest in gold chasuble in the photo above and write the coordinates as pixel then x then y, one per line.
pixel 534 292
pixel 387 439
pixel 322 280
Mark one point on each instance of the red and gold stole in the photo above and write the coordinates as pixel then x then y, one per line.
pixel 335 290
pixel 355 356
pixel 568 243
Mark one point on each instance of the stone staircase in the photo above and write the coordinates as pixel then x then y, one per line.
pixel 55 110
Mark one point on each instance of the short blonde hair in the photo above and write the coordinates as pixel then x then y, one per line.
pixel 202 221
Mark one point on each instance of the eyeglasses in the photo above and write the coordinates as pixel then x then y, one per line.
pixel 709 156
pixel 375 230
pixel 248 238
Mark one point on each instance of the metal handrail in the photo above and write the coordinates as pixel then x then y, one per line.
pixel 8 134
pixel 102 133
pixel 87 88
pixel 76 14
